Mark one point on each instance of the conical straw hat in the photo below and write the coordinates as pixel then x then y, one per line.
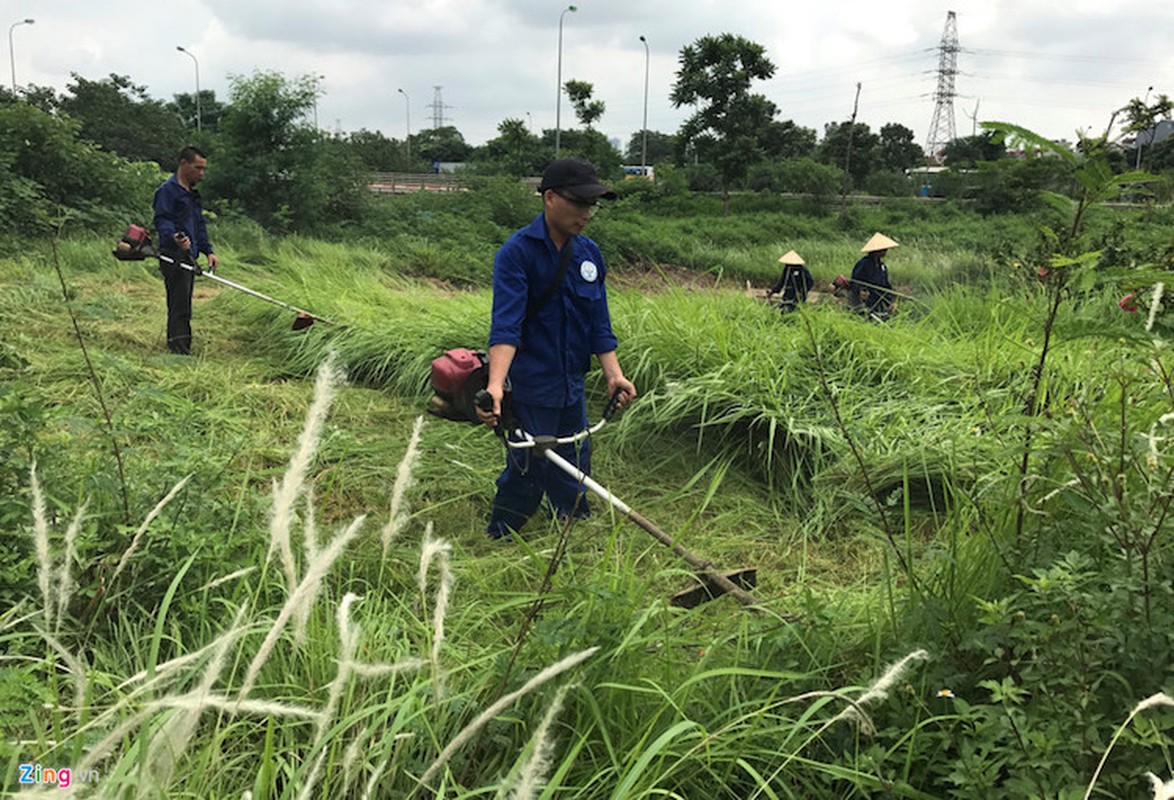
pixel 792 258
pixel 878 242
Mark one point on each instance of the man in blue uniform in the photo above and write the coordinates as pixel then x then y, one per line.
pixel 550 315
pixel 870 287
pixel 179 220
pixel 794 283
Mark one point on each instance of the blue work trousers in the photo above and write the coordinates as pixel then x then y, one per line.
pixel 529 475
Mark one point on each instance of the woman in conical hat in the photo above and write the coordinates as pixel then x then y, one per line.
pixel 795 282
pixel 870 277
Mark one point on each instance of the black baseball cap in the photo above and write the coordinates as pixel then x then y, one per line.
pixel 575 176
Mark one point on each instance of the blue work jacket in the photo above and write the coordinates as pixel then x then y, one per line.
pixel 871 273
pixel 178 209
pixel 556 345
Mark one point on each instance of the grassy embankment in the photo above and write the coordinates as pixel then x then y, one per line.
pixel 870 472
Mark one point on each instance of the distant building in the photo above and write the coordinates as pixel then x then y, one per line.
pixel 1151 136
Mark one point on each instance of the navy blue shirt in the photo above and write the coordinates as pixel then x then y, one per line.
pixel 871 273
pixel 555 349
pixel 795 283
pixel 178 209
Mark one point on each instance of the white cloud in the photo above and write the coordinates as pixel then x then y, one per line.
pixel 1051 65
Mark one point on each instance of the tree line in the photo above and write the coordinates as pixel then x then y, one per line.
pixel 97 140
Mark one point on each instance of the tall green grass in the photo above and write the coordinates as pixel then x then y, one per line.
pixel 870 472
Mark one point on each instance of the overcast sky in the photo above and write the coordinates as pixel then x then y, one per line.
pixel 1054 66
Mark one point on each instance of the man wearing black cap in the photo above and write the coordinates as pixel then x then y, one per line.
pixel 550 316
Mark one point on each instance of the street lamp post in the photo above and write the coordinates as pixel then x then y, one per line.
pixel 196 61
pixel 408 123
pixel 644 145
pixel 12 53
pixel 558 103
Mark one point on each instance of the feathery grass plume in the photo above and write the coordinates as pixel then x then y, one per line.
pixel 232 576
pixel 440 550
pixel 1152 440
pixel 350 756
pixel 310 527
pixel 171 741
pixel 190 701
pixel 348 643
pixel 538 763
pixel 65 573
pixel 1155 305
pixel 41 544
pixel 302 613
pixel 303 594
pixel 287 492
pixel 1153 701
pixel 156 511
pixel 397 516
pixel 77 669
pixel 879 691
pixel 382 670
pixel 1162 791
pixel 502 703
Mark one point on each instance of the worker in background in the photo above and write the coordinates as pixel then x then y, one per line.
pixel 870 289
pixel 794 282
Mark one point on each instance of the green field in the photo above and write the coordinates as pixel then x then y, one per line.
pixel 241 571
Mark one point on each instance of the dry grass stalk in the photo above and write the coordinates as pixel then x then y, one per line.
pixel 1155 305
pixel 537 765
pixel 1162 790
pixel 348 643
pixel 77 668
pixel 156 511
pixel 41 545
pixel 1158 700
pixel 171 741
pixel 303 595
pixel 65 573
pixel 397 517
pixel 286 493
pixel 879 691
pixel 232 576
pixel 310 528
pixel 440 551
pixel 503 703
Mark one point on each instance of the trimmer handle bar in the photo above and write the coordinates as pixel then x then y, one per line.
pixel 484 401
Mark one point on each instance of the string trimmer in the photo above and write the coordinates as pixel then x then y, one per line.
pixel 304 318
pixel 458 381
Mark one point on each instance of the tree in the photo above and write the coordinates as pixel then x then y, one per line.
pixel 440 144
pixel 785 139
pixel 210 110
pixel 1142 119
pixel 661 147
pixel 834 148
pixel 376 151
pixel 967 151
pixel 589 144
pixel 515 151
pixel 587 110
pixel 119 117
pixel 48 174
pixel 897 151
pixel 279 169
pixel 715 75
